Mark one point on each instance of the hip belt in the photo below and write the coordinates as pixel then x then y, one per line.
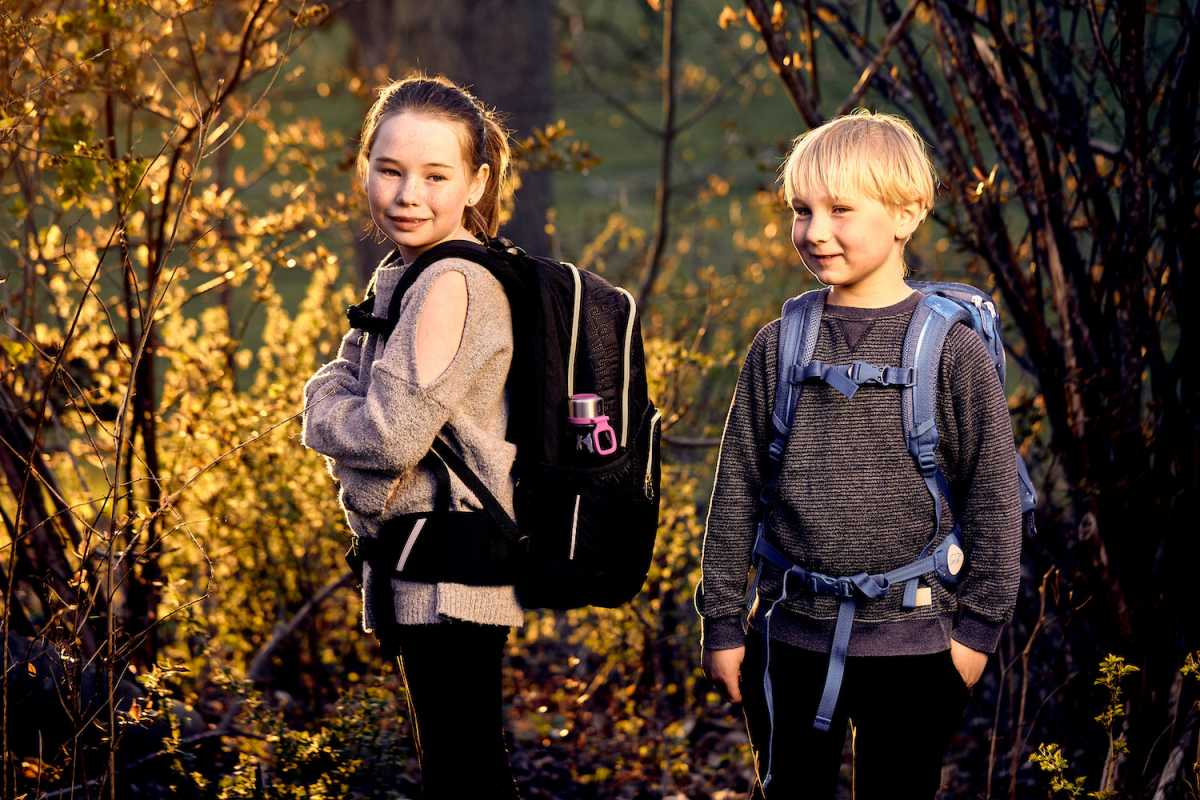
pixel 945 562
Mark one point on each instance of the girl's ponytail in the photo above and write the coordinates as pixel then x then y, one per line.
pixel 483 219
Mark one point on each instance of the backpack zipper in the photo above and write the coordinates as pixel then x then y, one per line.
pixel 648 487
pixel 625 373
pixel 574 326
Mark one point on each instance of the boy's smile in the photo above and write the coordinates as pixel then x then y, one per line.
pixel 855 244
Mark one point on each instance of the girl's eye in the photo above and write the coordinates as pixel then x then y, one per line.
pixel 389 171
pixel 801 212
pixel 437 178
pixel 840 209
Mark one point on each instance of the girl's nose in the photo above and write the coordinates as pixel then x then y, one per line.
pixel 406 192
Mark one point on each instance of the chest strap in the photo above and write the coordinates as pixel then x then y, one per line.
pixel 945 562
pixel 847 378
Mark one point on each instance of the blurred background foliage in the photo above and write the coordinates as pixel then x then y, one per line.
pixel 181 232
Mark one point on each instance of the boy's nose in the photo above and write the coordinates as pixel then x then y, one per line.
pixel 817 230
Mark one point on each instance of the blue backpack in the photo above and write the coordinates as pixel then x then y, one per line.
pixel 916 377
pixel 944 305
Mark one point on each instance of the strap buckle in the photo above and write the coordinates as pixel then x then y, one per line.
pixel 923 447
pixel 927 461
pixel 828 585
pixel 863 372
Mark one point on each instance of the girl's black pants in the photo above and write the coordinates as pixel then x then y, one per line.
pixel 904 710
pixel 451 672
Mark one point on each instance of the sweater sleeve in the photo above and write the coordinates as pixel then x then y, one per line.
pixel 981 462
pixel 338 377
pixel 392 425
pixel 730 529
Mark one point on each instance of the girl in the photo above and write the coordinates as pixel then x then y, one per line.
pixel 433 162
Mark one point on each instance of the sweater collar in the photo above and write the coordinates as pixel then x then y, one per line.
pixel 905 306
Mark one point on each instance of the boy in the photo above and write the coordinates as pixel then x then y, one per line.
pixel 846 503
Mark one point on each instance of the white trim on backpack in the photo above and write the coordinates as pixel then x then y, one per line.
pixel 574 527
pixel 408 546
pixel 574 326
pixel 625 373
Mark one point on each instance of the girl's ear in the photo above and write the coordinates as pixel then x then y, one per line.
pixel 479 184
pixel 908 217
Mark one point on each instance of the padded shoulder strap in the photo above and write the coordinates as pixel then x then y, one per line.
pixel 800 324
pixel 931 322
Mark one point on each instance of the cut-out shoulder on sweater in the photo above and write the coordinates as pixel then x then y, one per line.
pixel 440 325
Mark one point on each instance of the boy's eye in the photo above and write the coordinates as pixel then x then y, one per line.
pixel 801 212
pixel 388 171
pixel 840 209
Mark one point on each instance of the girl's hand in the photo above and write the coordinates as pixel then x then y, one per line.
pixel 722 668
pixel 969 663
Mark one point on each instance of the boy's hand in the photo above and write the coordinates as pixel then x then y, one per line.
pixel 722 668
pixel 969 663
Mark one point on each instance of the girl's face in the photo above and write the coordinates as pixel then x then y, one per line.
pixel 418 183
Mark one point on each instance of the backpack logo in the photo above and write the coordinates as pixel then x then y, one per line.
pixel 954 559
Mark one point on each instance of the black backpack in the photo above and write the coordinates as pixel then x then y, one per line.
pixel 585 520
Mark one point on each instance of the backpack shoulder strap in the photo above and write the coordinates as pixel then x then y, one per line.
pixel 468 251
pixel 800 324
pixel 923 343
pixel 447 455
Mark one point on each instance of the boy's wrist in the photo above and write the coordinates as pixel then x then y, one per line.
pixel 722 633
pixel 976 632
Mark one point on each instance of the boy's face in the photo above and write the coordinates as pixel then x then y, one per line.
pixel 852 242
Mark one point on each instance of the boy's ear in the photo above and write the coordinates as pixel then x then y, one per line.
pixel 908 217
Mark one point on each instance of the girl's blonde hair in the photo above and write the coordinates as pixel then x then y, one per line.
pixel 485 139
pixel 877 155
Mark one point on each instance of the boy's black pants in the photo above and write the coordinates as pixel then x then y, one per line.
pixel 452 674
pixel 904 709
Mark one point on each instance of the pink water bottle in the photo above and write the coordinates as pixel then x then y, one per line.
pixel 593 434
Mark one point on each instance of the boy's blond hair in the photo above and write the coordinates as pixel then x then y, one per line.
pixel 864 152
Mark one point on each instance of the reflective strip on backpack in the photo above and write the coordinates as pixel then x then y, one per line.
pixel 408 545
pixel 574 326
pixel 625 374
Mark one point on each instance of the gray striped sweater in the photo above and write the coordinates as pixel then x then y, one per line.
pixel 852 500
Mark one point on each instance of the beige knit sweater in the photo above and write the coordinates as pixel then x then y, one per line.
pixel 368 414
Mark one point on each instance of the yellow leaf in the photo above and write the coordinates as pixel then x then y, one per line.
pixel 31 669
